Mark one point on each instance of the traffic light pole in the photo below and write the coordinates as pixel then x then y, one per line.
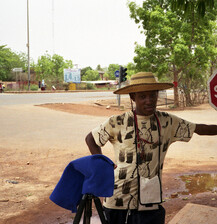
pixel 119 86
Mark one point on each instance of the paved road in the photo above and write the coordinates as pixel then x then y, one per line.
pixel 69 97
pixel 30 127
pixel 36 98
pixel 24 124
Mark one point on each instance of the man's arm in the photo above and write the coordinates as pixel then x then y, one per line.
pixel 203 129
pixel 93 147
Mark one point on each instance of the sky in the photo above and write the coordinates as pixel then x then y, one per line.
pixel 88 32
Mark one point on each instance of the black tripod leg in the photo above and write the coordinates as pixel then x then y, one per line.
pixel 80 210
pixel 100 210
pixel 88 210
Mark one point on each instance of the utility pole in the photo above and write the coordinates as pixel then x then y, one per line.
pixel 53 27
pixel 28 44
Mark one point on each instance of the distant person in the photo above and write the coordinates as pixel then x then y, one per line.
pixel 1 88
pixel 140 139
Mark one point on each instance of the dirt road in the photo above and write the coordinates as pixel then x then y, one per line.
pixel 37 143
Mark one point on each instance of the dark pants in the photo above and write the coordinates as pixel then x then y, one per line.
pixel 116 216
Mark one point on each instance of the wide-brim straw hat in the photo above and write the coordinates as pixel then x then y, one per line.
pixel 143 81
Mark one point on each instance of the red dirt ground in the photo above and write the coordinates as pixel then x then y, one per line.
pixel 44 211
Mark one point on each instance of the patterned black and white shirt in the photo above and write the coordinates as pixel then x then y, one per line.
pixel 120 131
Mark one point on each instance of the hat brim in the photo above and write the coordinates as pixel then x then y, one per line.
pixel 143 87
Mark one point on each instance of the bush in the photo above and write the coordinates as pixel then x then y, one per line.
pixel 33 87
pixel 90 86
pixel 85 86
pixel 81 86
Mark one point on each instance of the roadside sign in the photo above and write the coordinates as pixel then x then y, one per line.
pixel 72 75
pixel 117 73
pixel 212 88
pixel 17 69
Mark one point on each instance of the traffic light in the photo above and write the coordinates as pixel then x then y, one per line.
pixel 123 74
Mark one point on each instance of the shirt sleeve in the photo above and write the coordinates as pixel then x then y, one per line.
pixel 182 130
pixel 104 132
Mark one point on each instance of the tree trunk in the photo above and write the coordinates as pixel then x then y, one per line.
pixel 187 91
pixel 188 99
pixel 176 93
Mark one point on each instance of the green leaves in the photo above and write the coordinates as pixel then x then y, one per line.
pixel 201 6
pixel 178 40
pixel 111 70
pixel 51 67
pixel 91 75
pixel 175 38
pixel 180 55
pixel 10 60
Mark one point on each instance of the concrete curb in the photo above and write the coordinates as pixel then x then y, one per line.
pixel 56 91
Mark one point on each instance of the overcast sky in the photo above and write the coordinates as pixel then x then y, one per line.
pixel 88 32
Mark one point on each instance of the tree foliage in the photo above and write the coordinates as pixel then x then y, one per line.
pixel 111 71
pixel 175 42
pixel 202 6
pixel 84 70
pixel 8 61
pixel 51 67
pixel 91 75
pixel 99 68
pixel 131 69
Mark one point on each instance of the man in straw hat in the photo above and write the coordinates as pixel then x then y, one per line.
pixel 140 139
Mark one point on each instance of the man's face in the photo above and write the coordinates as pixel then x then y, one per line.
pixel 146 102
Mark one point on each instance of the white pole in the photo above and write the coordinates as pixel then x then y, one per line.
pixel 53 26
pixel 28 44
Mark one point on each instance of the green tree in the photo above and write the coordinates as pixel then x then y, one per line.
pixel 106 76
pixel 83 71
pixel 174 41
pixel 186 6
pixel 111 70
pixel 51 67
pixel 90 75
pixel 131 69
pixel 68 64
pixel 23 57
pixel 58 66
pixel 99 68
pixel 8 61
pixel 44 67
